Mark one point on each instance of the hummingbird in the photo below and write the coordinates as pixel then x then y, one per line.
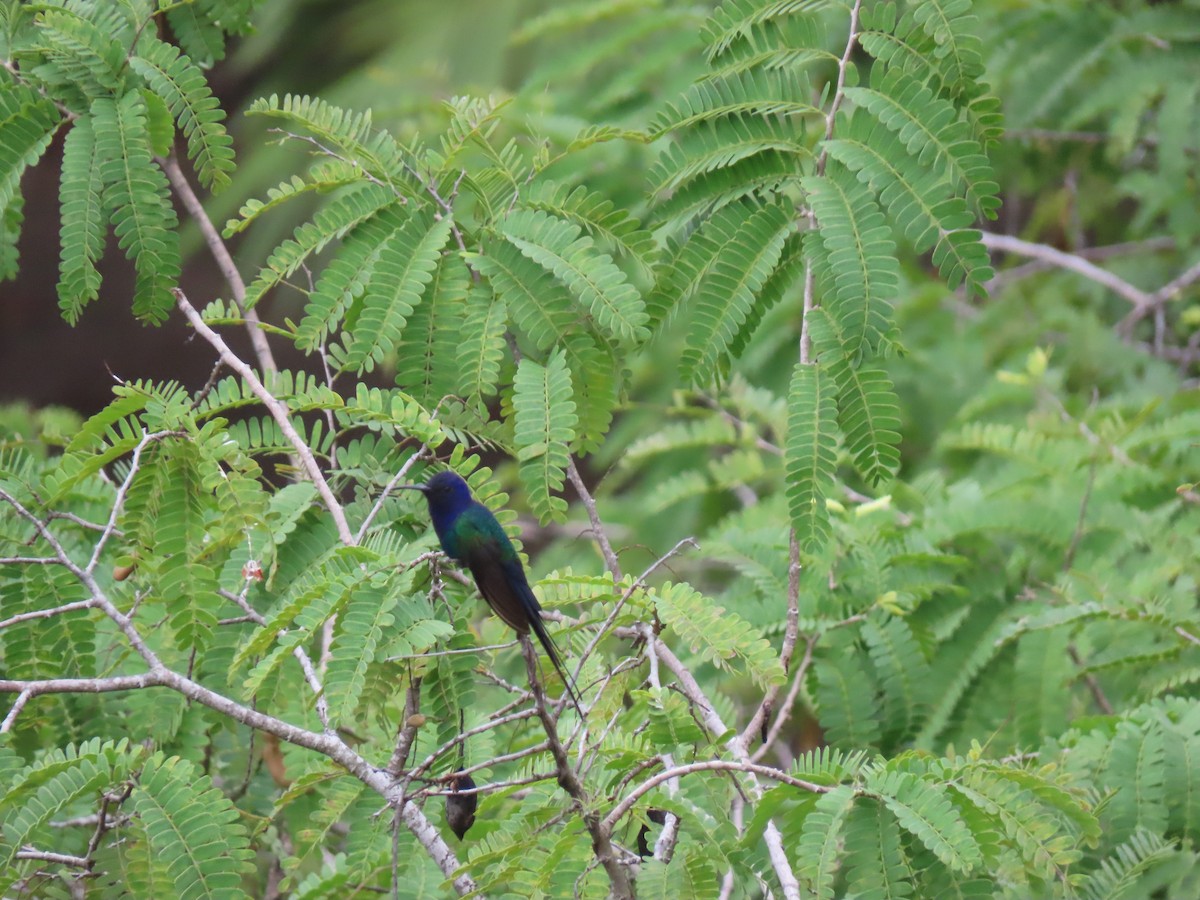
pixel 470 534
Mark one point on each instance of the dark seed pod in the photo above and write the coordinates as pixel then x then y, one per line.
pixel 460 808
pixel 658 817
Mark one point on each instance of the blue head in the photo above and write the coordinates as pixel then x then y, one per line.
pixel 448 496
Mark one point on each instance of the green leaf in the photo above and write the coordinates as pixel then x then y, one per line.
pixel 194 829
pixel 544 427
pixel 83 221
pixel 821 840
pixel 729 290
pixel 136 198
pixel 718 635
pixel 360 630
pixel 855 248
pixel 482 346
pixel 923 809
pixel 591 276
pixel 25 132
pixel 181 84
pixel 810 458
pixel 405 267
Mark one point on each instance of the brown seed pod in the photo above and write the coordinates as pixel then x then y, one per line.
pixel 460 808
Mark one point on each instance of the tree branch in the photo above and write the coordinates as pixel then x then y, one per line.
pixel 224 261
pixel 1140 299
pixel 589 503
pixel 278 412
pixel 737 749
pixel 568 780
pixel 710 765
pixel 791 633
pixel 46 613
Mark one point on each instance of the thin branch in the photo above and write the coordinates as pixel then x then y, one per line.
pixel 589 503
pixel 78 862
pixel 737 749
pixel 840 90
pixel 1187 635
pixel 568 780
pixel 463 736
pixel 391 485
pixel 791 634
pixel 408 731
pixel 1091 681
pixel 27 690
pixel 19 704
pixel 1141 300
pixel 664 847
pixel 491 787
pixel 46 613
pixel 1081 521
pixel 1102 252
pixel 81 522
pixel 279 413
pixel 638 583
pixel 123 491
pixel 711 765
pixel 224 261
pixel 789 702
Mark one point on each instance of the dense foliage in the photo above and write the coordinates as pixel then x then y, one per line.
pixel 710 298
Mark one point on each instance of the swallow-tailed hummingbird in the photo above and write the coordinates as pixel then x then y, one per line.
pixel 470 534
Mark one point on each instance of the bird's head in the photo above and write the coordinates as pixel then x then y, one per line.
pixel 446 493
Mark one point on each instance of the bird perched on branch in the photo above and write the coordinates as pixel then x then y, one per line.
pixel 470 534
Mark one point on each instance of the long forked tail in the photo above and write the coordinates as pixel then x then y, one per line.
pixel 547 642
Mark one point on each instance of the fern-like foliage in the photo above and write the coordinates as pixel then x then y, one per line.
pixel 83 221
pixel 135 197
pixel 990 626
pixel 544 428
pixel 811 454
pixel 592 278
pixel 682 608
pixel 192 828
pixel 181 85
pixel 404 268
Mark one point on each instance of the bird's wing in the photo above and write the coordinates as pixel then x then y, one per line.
pixel 497 571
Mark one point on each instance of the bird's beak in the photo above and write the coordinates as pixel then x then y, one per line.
pixel 411 487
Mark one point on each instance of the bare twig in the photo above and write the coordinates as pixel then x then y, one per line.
pixel 79 862
pixel 737 749
pixel 1186 635
pixel 589 503
pixel 791 633
pixel 46 613
pixel 789 702
pixel 408 730
pixel 19 704
pixel 224 261
pixel 1091 681
pixel 123 491
pixel 1094 254
pixel 1136 296
pixel 1144 303
pixel 638 583
pixel 278 412
pixel 568 780
pixel 711 765
pixel 471 732
pixel 391 485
